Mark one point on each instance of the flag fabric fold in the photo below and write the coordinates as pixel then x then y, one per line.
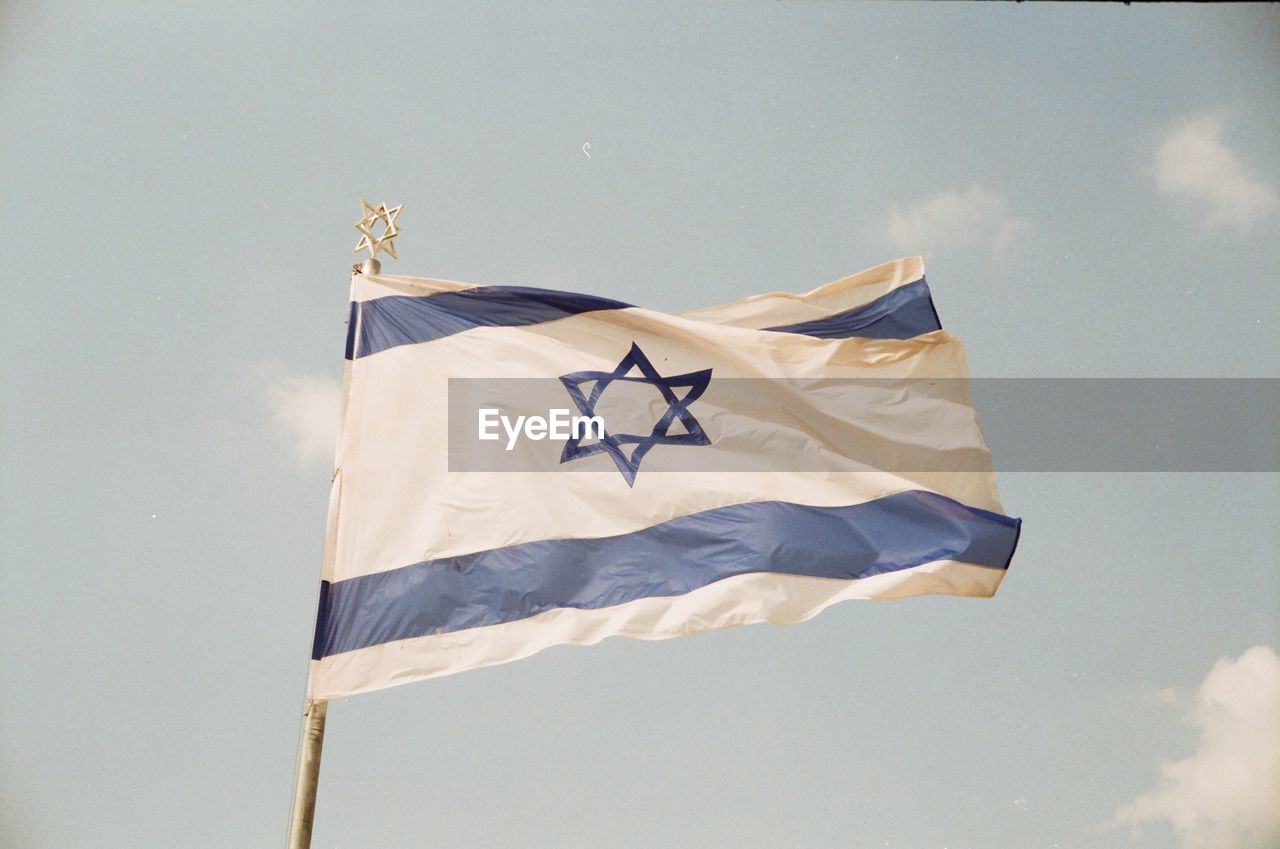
pixel 754 462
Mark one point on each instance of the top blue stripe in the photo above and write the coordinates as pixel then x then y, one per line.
pixel 405 320
pixel 901 314
pixel 396 320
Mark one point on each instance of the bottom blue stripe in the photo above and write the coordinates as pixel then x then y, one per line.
pixel 672 558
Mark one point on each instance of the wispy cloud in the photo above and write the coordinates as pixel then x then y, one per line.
pixel 1192 162
pixel 1225 793
pixel 979 220
pixel 303 409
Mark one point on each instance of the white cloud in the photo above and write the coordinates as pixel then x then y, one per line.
pixel 978 220
pixel 304 411
pixel 1226 793
pixel 1192 162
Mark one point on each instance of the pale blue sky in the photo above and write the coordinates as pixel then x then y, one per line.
pixel 1096 187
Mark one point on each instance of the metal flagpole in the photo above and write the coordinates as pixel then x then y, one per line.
pixel 307 780
pixel 304 787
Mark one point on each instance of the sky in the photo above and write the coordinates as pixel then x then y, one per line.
pixel 1096 190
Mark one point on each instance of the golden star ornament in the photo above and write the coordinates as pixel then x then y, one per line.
pixel 374 242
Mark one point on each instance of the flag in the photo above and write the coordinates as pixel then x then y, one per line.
pixel 519 468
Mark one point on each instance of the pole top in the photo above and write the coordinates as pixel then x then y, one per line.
pixel 373 237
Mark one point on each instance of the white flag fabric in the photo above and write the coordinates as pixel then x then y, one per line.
pixel 519 468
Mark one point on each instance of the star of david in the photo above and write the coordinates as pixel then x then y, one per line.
pixel 384 241
pixel 615 445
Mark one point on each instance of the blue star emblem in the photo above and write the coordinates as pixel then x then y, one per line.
pixel 613 444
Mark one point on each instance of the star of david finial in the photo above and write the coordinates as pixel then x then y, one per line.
pixel 679 391
pixel 373 240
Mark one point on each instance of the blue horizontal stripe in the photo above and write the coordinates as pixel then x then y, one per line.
pixel 669 559
pixel 352 321
pixel 405 320
pixel 901 314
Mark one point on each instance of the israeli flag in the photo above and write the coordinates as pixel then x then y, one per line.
pixel 519 468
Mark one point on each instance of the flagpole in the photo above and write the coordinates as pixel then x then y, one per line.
pixel 307 781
